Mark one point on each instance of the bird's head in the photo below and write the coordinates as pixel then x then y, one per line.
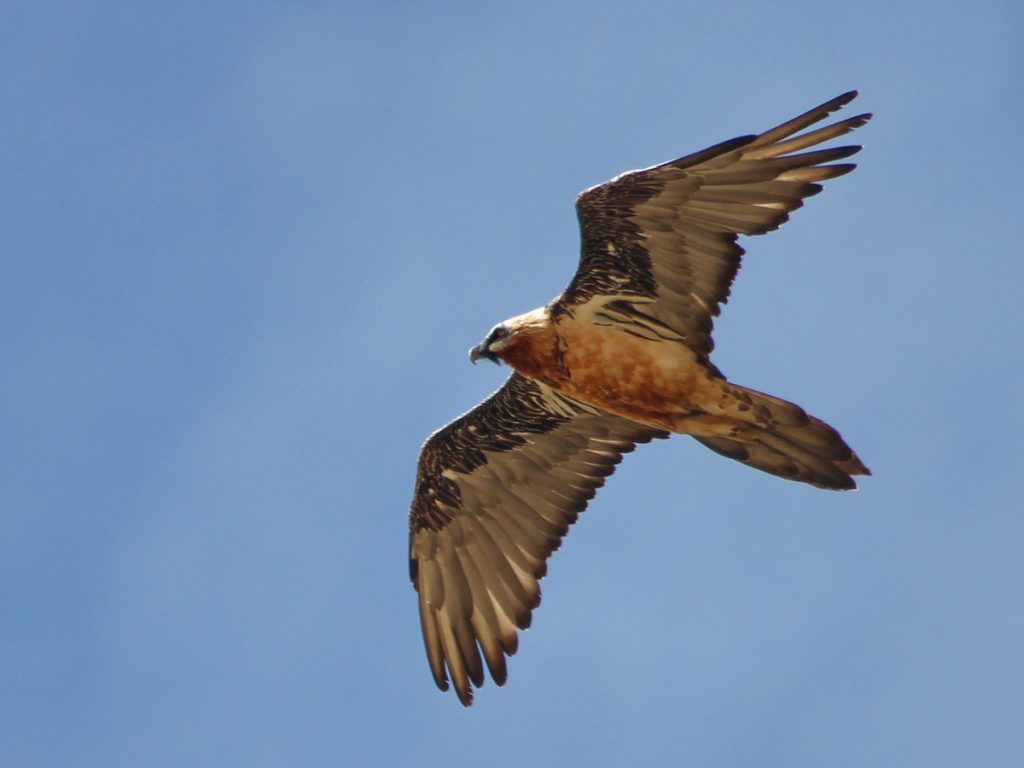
pixel 509 334
pixel 490 348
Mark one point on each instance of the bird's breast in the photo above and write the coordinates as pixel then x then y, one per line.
pixel 639 378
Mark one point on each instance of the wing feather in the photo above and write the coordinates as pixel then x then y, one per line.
pixel 665 237
pixel 495 493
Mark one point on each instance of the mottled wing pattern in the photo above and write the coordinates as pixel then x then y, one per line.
pixel 659 249
pixel 496 491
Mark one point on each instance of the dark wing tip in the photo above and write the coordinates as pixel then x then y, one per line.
pixel 826 172
pixel 838 153
pixel 839 169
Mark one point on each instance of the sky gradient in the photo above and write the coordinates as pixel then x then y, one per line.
pixel 246 247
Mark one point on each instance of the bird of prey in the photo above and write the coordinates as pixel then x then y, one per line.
pixel 621 357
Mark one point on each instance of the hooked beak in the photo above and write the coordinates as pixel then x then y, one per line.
pixel 480 350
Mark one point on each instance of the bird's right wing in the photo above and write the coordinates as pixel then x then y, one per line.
pixel 496 491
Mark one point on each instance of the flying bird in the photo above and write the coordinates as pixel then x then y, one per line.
pixel 620 358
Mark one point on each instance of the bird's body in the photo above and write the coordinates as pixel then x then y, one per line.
pixel 621 357
pixel 650 381
pixel 662 383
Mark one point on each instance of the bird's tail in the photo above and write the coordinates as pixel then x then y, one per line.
pixel 779 437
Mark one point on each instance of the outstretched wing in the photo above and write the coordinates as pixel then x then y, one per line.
pixel 496 491
pixel 659 248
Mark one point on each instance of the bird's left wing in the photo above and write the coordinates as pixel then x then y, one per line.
pixel 496 490
pixel 659 249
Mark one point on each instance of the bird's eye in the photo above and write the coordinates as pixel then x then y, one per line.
pixel 499 332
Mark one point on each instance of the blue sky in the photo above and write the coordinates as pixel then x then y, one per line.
pixel 246 247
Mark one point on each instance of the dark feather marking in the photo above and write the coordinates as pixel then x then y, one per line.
pixel 500 423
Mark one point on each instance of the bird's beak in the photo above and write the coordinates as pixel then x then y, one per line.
pixel 480 350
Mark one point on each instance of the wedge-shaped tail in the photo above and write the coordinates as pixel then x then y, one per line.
pixel 781 438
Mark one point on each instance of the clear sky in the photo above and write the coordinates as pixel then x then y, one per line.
pixel 245 249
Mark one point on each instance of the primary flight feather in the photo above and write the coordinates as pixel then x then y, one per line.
pixel 621 357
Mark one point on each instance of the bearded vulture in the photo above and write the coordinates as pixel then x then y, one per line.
pixel 621 357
